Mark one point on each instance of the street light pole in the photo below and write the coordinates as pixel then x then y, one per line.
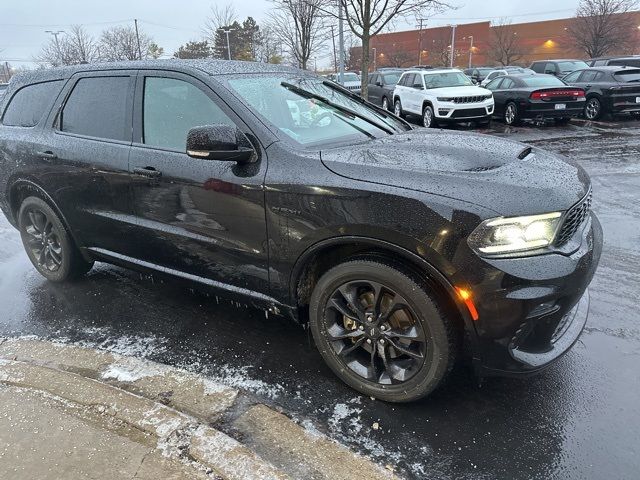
pixel 453 43
pixel 375 55
pixel 421 20
pixel 55 34
pixel 227 31
pixel 471 51
pixel 340 43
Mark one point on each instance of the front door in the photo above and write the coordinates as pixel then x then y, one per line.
pixel 202 219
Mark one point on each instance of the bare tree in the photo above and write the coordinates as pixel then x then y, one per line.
pixel 220 16
pixel 300 27
pixel 505 47
pixel 121 43
pixel 74 47
pixel 367 18
pixel 440 48
pixel 269 50
pixel 601 26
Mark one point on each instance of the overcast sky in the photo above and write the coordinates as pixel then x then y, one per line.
pixel 173 22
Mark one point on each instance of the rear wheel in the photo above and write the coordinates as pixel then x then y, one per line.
pixel 511 114
pixel 47 242
pixel 593 109
pixel 428 117
pixel 380 331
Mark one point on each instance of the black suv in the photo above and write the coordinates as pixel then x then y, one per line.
pixel 559 68
pixel 401 249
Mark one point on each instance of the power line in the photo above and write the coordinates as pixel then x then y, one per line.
pixel 33 25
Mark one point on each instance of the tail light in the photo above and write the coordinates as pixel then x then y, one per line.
pixel 551 94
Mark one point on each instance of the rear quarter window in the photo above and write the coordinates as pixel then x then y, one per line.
pixel 29 104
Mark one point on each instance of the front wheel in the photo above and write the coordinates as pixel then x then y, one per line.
pixel 47 242
pixel 511 114
pixel 593 109
pixel 385 103
pixel 397 108
pixel 381 331
pixel 428 117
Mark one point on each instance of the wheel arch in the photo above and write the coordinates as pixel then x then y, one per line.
pixel 324 255
pixel 22 188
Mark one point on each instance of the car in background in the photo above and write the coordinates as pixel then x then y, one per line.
pixel 381 85
pixel 350 81
pixel 631 61
pixel 506 71
pixel 478 74
pixel 535 97
pixel 559 68
pixel 442 96
pixel 609 90
pixel 3 89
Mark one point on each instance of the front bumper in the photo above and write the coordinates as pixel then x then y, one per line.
pixel 533 309
pixel 450 112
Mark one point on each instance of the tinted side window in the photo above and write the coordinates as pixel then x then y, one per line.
pixel 550 68
pixel 572 77
pixel 408 81
pixel 494 84
pixel 97 107
pixel 173 107
pixel 28 105
pixel 373 79
pixel 588 76
pixel 537 67
pixel 507 83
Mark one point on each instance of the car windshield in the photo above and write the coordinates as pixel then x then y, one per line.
pixel 391 78
pixel 447 79
pixel 312 113
pixel 542 81
pixel 572 66
pixel 628 76
pixel 349 77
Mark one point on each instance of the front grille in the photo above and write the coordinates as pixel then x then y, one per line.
pixel 353 87
pixel 470 112
pixel 574 219
pixel 475 99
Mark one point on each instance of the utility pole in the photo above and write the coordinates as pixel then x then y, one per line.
pixel 335 58
pixel 227 31
pixel 55 34
pixel 135 21
pixel 341 43
pixel 421 20
pixel 453 43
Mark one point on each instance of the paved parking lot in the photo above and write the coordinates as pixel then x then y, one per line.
pixel 580 419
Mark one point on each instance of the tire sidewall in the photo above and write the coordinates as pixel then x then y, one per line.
pixel 516 116
pixel 64 239
pixel 438 355
pixel 599 113
pixel 424 113
pixel 385 99
pixel 397 108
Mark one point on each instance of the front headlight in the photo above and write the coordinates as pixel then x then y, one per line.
pixel 516 234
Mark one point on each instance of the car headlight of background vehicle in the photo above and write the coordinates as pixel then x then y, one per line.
pixel 516 234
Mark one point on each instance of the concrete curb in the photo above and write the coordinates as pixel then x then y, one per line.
pixel 177 409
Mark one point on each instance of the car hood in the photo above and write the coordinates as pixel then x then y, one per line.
pixel 458 91
pixel 507 177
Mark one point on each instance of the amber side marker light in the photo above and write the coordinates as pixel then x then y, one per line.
pixel 465 296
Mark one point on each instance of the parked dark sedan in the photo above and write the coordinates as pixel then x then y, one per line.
pixel 610 90
pixel 381 85
pixel 535 97
pixel 399 248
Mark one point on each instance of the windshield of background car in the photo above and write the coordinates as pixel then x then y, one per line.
pixel 391 78
pixel 542 81
pixel 571 66
pixel 350 77
pixel 447 79
pixel 308 121
pixel 628 76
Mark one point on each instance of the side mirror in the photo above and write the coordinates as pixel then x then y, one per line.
pixel 379 84
pixel 219 142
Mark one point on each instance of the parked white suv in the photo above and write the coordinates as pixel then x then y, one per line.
pixel 441 96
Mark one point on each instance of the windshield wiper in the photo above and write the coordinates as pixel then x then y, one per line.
pixel 306 94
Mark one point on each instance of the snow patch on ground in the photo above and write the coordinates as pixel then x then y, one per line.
pixel 238 377
pixel 130 345
pixel 131 369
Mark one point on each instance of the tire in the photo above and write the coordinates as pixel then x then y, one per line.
pixel 397 108
pixel 593 108
pixel 511 114
pixel 54 255
pixel 370 347
pixel 428 117
pixel 385 103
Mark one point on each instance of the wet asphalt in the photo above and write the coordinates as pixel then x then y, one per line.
pixel 580 419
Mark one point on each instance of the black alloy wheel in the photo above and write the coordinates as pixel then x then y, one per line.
pixel 593 109
pixel 47 243
pixel 511 114
pixel 380 332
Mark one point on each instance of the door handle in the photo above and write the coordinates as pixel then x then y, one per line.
pixel 48 155
pixel 148 172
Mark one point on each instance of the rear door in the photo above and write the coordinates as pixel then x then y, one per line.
pixel 375 92
pixel 196 217
pixel 499 95
pixel 87 151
